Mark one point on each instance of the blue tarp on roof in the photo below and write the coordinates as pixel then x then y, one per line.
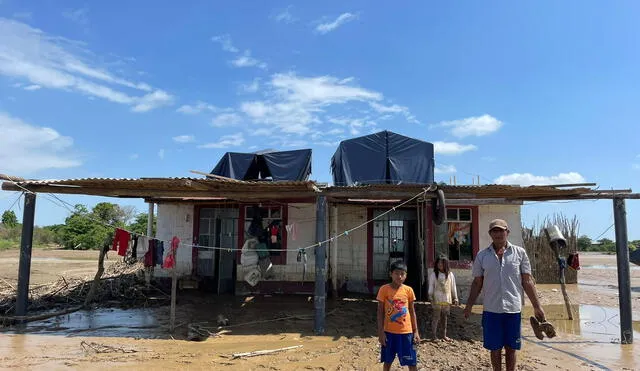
pixel 384 157
pixel 284 165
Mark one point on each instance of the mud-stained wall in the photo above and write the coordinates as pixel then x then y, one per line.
pixel 176 220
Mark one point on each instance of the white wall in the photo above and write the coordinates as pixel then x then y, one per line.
pixel 176 220
pixel 510 213
pixel 352 249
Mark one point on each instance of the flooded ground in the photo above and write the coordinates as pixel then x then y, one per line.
pixel 110 338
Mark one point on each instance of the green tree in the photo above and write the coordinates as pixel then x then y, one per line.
pixel 9 219
pixel 584 243
pixel 84 230
pixel 139 224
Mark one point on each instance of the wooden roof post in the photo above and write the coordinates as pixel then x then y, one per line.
pixel 24 269
pixel 624 283
pixel 320 296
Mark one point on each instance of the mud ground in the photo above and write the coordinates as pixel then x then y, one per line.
pixel 139 338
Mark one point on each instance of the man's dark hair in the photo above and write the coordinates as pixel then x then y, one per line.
pixel 399 265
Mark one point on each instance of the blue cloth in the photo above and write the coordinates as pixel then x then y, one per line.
pixel 402 345
pixel 159 253
pixel 500 330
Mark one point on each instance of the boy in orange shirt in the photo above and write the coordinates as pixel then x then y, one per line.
pixel 397 329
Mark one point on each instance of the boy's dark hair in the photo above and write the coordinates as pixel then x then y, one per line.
pixel 399 265
pixel 445 266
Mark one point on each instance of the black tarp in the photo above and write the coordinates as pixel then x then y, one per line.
pixel 284 165
pixel 384 157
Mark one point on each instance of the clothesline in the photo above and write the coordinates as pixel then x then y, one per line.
pixel 344 233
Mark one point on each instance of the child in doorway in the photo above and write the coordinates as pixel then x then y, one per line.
pixel 442 293
pixel 397 328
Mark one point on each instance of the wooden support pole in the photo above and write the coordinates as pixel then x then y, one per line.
pixel 320 296
pixel 24 268
pixel 334 250
pixel 172 314
pixel 624 282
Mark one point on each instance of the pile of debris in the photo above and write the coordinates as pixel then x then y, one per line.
pixel 121 285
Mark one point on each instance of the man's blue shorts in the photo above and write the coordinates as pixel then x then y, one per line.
pixel 501 330
pixel 402 345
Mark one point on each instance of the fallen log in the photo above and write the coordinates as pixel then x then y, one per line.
pixel 263 352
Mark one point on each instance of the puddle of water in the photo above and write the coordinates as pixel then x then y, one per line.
pixel 591 322
pixel 147 323
pixel 609 267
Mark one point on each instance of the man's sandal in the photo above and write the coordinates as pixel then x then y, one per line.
pixel 535 325
pixel 548 329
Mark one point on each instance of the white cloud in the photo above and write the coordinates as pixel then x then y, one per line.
pixel 301 105
pixel 225 42
pixel 56 63
pixel 226 119
pixel 445 169
pixel 527 179
pixel 161 154
pixel 198 107
pixel 635 166
pixel 246 60
pixel 343 18
pixel 184 138
pixel 26 149
pixel 396 109
pixel 473 126
pixel 226 141
pixel 134 156
pixel 261 132
pixel 326 143
pixel 152 101
pixel 32 87
pixel 252 87
pixel 452 148
pixel 285 16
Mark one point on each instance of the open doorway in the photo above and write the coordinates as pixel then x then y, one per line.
pixel 216 267
pixel 395 237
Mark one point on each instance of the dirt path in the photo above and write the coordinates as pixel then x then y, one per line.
pixel 141 340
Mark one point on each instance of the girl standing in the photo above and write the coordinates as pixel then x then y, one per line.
pixel 442 293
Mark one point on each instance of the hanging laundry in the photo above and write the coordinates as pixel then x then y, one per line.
pixel 274 230
pixel 170 260
pixel 134 248
pixel 150 254
pixel 292 231
pixel 143 246
pixel 249 256
pixel 121 241
pixel 159 253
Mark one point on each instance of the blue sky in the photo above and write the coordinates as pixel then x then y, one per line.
pixel 539 92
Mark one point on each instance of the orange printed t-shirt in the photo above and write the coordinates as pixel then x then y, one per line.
pixel 397 318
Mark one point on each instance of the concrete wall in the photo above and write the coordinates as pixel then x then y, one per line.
pixel 176 220
pixel 510 213
pixel 352 249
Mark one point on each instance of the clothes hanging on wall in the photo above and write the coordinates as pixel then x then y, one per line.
pixel 159 253
pixel 150 254
pixel 121 241
pixel 143 246
pixel 170 260
pixel 292 231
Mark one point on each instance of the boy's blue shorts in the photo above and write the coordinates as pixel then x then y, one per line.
pixel 402 345
pixel 500 330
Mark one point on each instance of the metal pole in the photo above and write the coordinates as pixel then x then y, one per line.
pixel 320 296
pixel 24 269
pixel 624 283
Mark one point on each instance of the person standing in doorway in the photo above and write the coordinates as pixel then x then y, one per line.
pixel 503 271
